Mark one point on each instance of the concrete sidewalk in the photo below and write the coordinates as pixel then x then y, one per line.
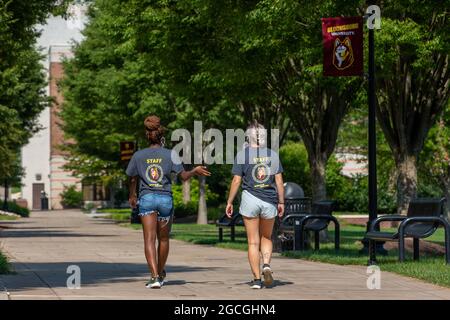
pixel 113 266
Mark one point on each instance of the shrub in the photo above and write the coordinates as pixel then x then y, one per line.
pixel 115 210
pixel 183 210
pixel 120 196
pixel 4 265
pixel 15 208
pixel 71 197
pixel 353 196
pixel 89 207
pixel 294 158
pixel 215 213
pixel 219 183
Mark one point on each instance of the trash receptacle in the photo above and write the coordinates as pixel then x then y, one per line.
pixel 295 199
pixel 296 206
pixel 44 201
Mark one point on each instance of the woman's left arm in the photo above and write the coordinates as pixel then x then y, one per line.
pixel 197 171
pixel 132 198
pixel 280 190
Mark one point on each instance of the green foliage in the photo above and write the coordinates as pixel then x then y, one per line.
pixel 227 62
pixel 412 52
pixel 4 265
pixel 71 197
pixel 22 80
pixel 119 75
pixel 294 159
pixel 351 194
pixel 115 211
pixel 183 210
pixel 15 208
pixel 434 161
pixel 219 183
pixel 89 207
pixel 215 213
pixel 120 196
pixel 120 217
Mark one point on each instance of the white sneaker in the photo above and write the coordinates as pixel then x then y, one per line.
pixel 153 283
pixel 268 277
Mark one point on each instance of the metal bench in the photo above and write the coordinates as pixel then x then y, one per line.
pixel 316 221
pixel 225 222
pixel 423 218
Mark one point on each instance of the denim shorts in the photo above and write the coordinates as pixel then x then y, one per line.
pixel 253 207
pixel 161 204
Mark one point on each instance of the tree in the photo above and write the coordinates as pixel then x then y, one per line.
pixel 110 85
pixel 22 80
pixel 412 51
pixel 116 78
pixel 435 158
pixel 264 58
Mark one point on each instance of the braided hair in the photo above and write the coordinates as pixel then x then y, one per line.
pixel 154 130
pixel 257 134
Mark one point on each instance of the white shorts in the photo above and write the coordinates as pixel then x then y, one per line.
pixel 253 207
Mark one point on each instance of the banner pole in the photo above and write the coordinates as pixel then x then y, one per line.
pixel 372 141
pixel 372 152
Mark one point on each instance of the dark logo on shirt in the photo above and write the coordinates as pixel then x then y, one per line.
pixel 261 173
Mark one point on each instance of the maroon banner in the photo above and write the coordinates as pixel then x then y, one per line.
pixel 342 46
pixel 126 150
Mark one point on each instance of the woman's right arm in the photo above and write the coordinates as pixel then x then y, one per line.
pixel 235 184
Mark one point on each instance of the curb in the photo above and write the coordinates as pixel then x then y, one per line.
pixel 4 294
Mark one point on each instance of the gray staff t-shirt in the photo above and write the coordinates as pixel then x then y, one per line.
pixel 154 166
pixel 258 167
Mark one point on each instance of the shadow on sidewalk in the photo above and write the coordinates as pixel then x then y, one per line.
pixel 13 232
pixel 54 274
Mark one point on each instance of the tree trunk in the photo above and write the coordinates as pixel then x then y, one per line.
pixel 447 197
pixel 202 215
pixel 186 187
pixel 5 202
pixel 319 191
pixel 318 178
pixel 406 182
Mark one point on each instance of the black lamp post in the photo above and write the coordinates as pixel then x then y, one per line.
pixel 372 158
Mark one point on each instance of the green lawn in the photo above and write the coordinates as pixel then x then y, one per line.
pixel 430 269
pixel 115 211
pixel 5 217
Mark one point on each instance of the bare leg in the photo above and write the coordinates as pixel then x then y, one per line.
pixel 163 244
pixel 265 229
pixel 252 228
pixel 149 228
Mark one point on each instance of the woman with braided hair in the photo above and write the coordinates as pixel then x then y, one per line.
pixel 260 171
pixel 154 165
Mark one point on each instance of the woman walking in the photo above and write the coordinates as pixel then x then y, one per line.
pixel 153 166
pixel 262 199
